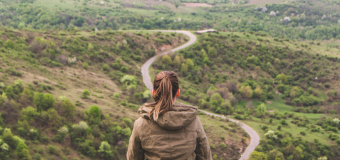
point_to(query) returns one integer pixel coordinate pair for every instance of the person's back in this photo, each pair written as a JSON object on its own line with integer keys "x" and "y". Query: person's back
{"x": 168, "y": 131}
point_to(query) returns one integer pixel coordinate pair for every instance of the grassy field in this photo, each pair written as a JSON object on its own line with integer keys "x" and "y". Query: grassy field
{"x": 322, "y": 136}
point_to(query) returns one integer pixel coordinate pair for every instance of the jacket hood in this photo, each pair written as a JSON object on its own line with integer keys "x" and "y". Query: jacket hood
{"x": 178, "y": 117}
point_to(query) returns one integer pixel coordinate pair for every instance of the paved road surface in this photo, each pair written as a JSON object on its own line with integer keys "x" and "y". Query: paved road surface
{"x": 255, "y": 139}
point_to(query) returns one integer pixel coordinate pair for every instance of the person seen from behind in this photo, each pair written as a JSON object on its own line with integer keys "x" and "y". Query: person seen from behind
{"x": 165, "y": 130}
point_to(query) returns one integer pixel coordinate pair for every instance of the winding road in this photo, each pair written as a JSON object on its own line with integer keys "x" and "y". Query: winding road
{"x": 255, "y": 139}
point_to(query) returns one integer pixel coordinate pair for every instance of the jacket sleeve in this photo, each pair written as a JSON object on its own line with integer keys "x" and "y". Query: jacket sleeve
{"x": 202, "y": 151}
{"x": 135, "y": 150}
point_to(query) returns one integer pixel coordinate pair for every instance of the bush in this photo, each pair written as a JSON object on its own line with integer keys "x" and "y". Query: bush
{"x": 327, "y": 85}
{"x": 85, "y": 65}
{"x": 302, "y": 133}
{"x": 283, "y": 122}
{"x": 95, "y": 114}
{"x": 44, "y": 139}
{"x": 37, "y": 156}
{"x": 124, "y": 69}
{"x": 106, "y": 67}
{"x": 223, "y": 145}
{"x": 239, "y": 117}
{"x": 279, "y": 127}
{"x": 85, "y": 94}
{"x": 52, "y": 150}
{"x": 69, "y": 108}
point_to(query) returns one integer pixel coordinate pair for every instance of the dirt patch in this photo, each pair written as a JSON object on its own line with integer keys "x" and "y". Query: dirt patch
{"x": 197, "y": 5}
{"x": 269, "y": 102}
{"x": 166, "y": 47}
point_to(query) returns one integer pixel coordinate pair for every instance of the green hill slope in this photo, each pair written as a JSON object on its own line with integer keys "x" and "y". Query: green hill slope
{"x": 74, "y": 95}
{"x": 243, "y": 75}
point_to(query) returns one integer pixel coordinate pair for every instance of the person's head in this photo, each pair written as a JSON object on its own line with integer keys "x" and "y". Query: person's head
{"x": 165, "y": 90}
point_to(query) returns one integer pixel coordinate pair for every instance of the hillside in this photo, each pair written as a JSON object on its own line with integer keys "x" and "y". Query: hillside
{"x": 74, "y": 95}
{"x": 281, "y": 88}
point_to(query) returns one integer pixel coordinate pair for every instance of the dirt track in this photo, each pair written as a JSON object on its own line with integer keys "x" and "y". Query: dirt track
{"x": 255, "y": 139}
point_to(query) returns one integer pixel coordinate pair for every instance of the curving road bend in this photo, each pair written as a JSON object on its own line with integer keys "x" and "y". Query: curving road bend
{"x": 255, "y": 139}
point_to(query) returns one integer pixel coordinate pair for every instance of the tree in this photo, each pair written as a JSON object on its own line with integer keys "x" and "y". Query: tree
{"x": 281, "y": 77}
{"x": 90, "y": 46}
{"x": 105, "y": 150}
{"x": 177, "y": 62}
{"x": 298, "y": 153}
{"x": 286, "y": 141}
{"x": 211, "y": 52}
{"x": 166, "y": 59}
{"x": 9, "y": 44}
{"x": 54, "y": 118}
{"x": 8, "y": 138}
{"x": 28, "y": 113}
{"x": 258, "y": 156}
{"x": 261, "y": 110}
{"x": 246, "y": 91}
{"x": 69, "y": 108}
{"x": 274, "y": 154}
{"x": 20, "y": 147}
{"x": 38, "y": 100}
{"x": 26, "y": 154}
{"x": 94, "y": 113}
{"x": 48, "y": 101}
{"x": 288, "y": 150}
{"x": 190, "y": 63}
{"x": 9, "y": 92}
{"x": 184, "y": 68}
{"x": 258, "y": 91}
{"x": 85, "y": 94}
{"x": 26, "y": 96}
{"x": 80, "y": 21}
{"x": 206, "y": 61}
{"x": 137, "y": 51}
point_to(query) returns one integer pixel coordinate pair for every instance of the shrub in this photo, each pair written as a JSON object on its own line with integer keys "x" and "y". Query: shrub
{"x": 51, "y": 150}
{"x": 69, "y": 108}
{"x": 283, "y": 122}
{"x": 106, "y": 67}
{"x": 166, "y": 59}
{"x": 85, "y": 94}
{"x": 48, "y": 101}
{"x": 223, "y": 145}
{"x": 264, "y": 127}
{"x": 302, "y": 133}
{"x": 95, "y": 114}
{"x": 9, "y": 44}
{"x": 20, "y": 149}
{"x": 327, "y": 85}
{"x": 124, "y": 69}
{"x": 85, "y": 65}
{"x": 37, "y": 156}
{"x": 237, "y": 116}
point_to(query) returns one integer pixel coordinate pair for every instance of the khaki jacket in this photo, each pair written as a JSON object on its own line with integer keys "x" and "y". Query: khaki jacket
{"x": 176, "y": 135}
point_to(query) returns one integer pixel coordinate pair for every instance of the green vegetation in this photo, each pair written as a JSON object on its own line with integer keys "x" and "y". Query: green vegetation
{"x": 66, "y": 63}
{"x": 262, "y": 83}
